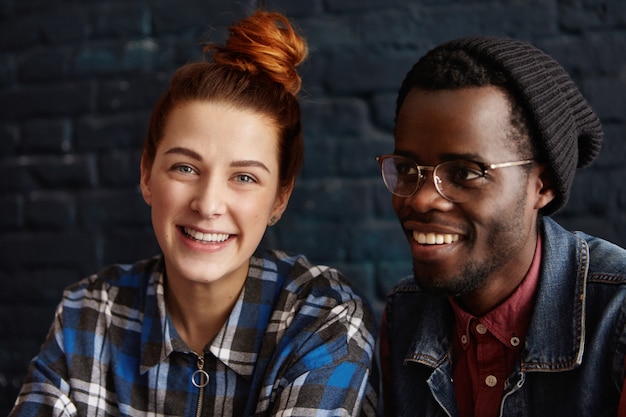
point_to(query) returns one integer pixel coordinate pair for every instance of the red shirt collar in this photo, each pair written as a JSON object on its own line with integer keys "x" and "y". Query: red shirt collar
{"x": 512, "y": 317}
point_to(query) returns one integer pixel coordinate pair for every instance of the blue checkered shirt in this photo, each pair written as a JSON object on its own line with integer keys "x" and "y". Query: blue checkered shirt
{"x": 298, "y": 342}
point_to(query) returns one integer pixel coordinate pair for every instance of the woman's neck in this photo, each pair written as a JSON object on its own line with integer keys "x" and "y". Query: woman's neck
{"x": 199, "y": 310}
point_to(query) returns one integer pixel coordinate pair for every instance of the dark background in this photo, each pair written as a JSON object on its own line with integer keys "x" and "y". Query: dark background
{"x": 78, "y": 80}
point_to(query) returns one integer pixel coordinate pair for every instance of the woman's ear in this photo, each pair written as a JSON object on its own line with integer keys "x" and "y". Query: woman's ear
{"x": 280, "y": 205}
{"x": 146, "y": 189}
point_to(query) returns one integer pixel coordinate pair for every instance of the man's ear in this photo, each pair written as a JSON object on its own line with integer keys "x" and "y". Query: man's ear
{"x": 544, "y": 188}
{"x": 146, "y": 188}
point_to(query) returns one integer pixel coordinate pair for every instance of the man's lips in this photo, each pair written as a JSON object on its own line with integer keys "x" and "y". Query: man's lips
{"x": 432, "y": 238}
{"x": 205, "y": 237}
{"x": 429, "y": 232}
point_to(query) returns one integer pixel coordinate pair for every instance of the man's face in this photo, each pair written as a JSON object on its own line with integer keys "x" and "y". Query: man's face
{"x": 486, "y": 243}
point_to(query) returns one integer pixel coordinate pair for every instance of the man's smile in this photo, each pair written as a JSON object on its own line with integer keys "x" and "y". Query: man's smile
{"x": 431, "y": 238}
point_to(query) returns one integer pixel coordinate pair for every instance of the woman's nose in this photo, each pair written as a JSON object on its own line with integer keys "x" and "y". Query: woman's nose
{"x": 209, "y": 198}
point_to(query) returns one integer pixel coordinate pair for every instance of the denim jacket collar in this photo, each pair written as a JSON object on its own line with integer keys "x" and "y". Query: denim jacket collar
{"x": 556, "y": 336}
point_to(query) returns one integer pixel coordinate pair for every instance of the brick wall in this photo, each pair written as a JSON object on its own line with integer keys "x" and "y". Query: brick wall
{"x": 78, "y": 79}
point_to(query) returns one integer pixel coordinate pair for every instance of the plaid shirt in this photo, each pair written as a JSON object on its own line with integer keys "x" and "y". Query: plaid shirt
{"x": 298, "y": 342}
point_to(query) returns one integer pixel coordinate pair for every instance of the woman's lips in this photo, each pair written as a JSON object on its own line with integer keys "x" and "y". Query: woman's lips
{"x": 205, "y": 237}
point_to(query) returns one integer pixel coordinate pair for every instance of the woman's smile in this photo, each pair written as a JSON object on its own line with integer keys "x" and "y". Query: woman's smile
{"x": 205, "y": 237}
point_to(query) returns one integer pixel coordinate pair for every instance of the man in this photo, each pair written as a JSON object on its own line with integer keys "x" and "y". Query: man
{"x": 507, "y": 313}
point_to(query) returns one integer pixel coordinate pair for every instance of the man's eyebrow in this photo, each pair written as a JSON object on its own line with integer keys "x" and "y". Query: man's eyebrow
{"x": 469, "y": 156}
{"x": 184, "y": 151}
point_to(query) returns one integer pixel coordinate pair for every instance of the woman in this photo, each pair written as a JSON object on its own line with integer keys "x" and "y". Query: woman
{"x": 215, "y": 325}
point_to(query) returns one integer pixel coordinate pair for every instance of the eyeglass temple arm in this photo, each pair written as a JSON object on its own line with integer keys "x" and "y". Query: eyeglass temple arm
{"x": 510, "y": 164}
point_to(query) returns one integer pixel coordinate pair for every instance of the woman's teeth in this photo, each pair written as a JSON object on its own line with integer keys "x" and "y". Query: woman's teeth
{"x": 206, "y": 237}
{"x": 434, "y": 238}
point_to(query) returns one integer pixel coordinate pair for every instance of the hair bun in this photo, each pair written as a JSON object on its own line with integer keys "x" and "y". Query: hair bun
{"x": 264, "y": 42}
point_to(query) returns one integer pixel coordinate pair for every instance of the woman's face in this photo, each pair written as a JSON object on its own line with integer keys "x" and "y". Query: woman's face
{"x": 213, "y": 188}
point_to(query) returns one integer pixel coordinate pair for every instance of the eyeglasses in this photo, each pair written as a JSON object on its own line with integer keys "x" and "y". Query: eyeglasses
{"x": 458, "y": 180}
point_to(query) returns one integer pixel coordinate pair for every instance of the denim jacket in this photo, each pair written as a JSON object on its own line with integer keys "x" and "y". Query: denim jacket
{"x": 573, "y": 360}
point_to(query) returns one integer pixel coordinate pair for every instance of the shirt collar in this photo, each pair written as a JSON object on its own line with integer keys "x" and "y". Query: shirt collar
{"x": 511, "y": 318}
{"x": 238, "y": 342}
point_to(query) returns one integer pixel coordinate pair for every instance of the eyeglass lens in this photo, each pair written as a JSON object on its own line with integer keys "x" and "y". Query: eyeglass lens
{"x": 454, "y": 180}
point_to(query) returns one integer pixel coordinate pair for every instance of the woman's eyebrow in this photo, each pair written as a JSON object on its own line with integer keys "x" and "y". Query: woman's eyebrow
{"x": 236, "y": 164}
{"x": 249, "y": 163}
{"x": 184, "y": 151}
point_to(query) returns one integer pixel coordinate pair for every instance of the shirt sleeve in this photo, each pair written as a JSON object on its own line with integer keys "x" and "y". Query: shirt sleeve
{"x": 327, "y": 366}
{"x": 45, "y": 391}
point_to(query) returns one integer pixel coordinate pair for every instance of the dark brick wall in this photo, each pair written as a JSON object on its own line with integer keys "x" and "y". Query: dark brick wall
{"x": 78, "y": 79}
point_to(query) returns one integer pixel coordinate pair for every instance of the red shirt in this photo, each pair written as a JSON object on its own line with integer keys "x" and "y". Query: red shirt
{"x": 486, "y": 349}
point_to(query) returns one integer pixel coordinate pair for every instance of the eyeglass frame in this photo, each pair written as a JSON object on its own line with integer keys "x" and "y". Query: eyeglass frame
{"x": 484, "y": 168}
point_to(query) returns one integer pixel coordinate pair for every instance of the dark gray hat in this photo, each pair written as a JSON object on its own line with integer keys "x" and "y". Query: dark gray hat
{"x": 568, "y": 132}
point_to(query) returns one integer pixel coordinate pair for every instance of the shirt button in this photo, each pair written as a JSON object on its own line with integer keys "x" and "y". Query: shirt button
{"x": 464, "y": 339}
{"x": 515, "y": 341}
{"x": 481, "y": 329}
{"x": 491, "y": 381}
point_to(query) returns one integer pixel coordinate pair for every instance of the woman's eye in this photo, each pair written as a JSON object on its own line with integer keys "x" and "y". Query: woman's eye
{"x": 245, "y": 178}
{"x": 184, "y": 169}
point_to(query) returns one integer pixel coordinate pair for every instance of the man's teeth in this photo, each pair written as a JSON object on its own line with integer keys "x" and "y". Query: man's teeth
{"x": 206, "y": 237}
{"x": 434, "y": 238}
